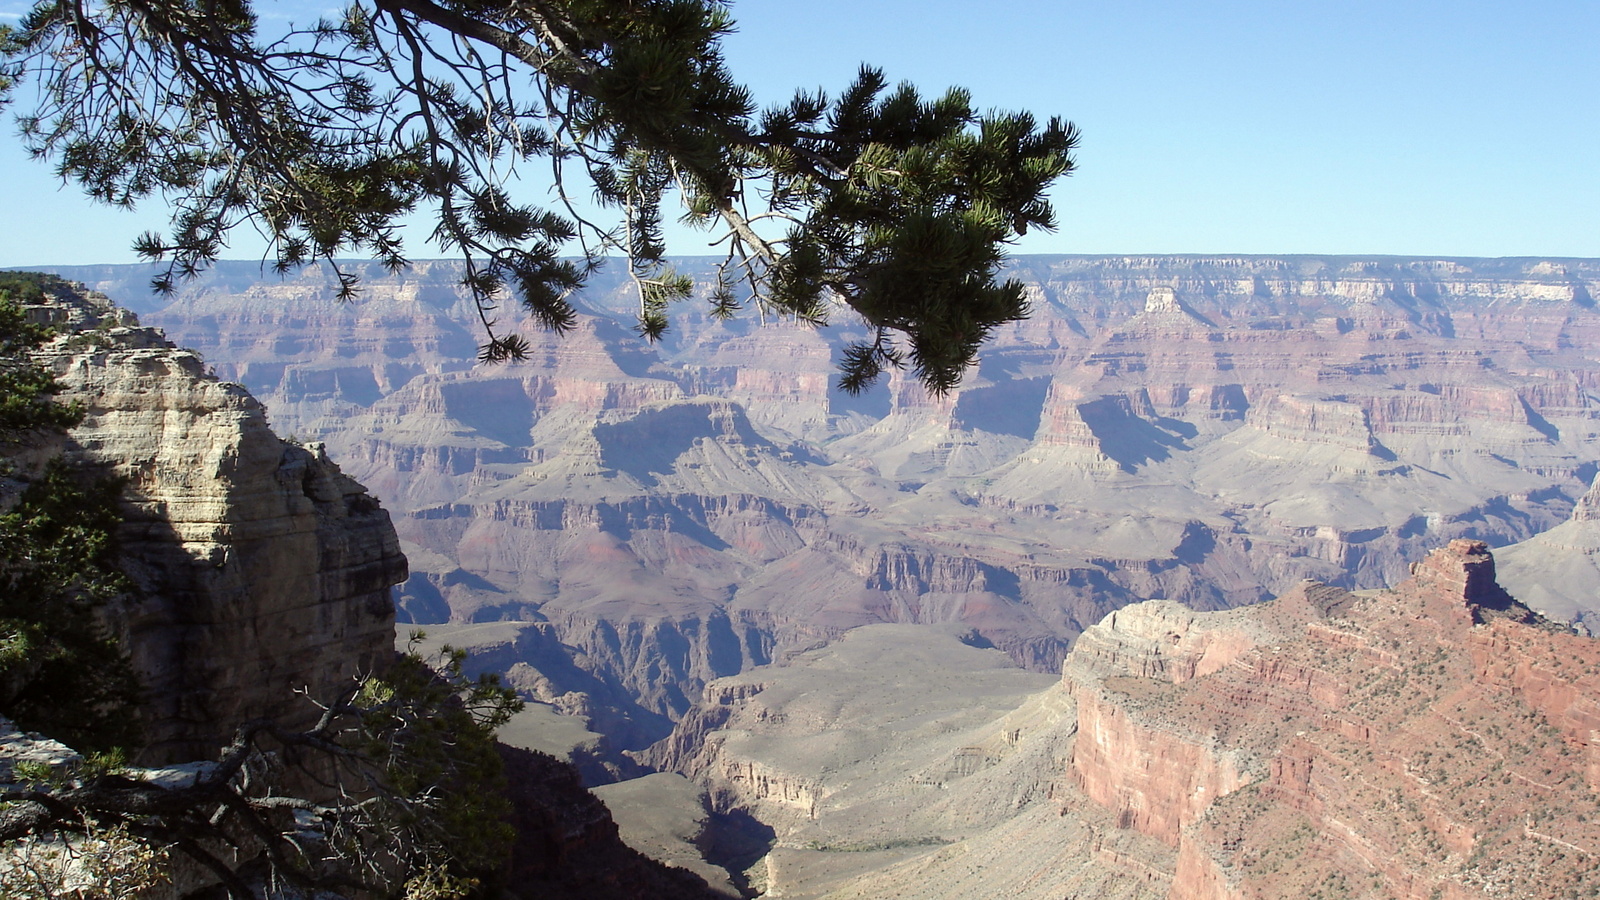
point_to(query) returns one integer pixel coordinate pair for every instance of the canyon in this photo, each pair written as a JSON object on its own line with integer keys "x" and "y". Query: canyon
{"x": 262, "y": 587}
{"x": 847, "y": 618}
{"x": 1434, "y": 740}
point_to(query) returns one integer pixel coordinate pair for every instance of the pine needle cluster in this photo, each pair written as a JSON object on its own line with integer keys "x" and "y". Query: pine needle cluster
{"x": 326, "y": 136}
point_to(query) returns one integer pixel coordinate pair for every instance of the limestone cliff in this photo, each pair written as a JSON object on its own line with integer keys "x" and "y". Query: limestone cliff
{"x": 263, "y": 570}
{"x": 904, "y": 762}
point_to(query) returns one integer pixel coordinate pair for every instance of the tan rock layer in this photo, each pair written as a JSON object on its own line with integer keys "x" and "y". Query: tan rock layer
{"x": 264, "y": 572}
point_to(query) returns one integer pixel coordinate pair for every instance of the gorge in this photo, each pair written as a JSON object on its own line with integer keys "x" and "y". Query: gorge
{"x": 632, "y": 532}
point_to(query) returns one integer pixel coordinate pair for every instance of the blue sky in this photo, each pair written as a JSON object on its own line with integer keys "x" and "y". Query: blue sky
{"x": 1429, "y": 128}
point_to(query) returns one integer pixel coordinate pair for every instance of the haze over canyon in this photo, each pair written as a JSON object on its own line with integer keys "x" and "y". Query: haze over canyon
{"x": 676, "y": 549}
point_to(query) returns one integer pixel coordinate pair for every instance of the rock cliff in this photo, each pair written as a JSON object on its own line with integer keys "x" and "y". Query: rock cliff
{"x": 1435, "y": 740}
{"x": 1205, "y": 430}
{"x": 263, "y": 570}
{"x": 264, "y": 578}
{"x": 1430, "y": 741}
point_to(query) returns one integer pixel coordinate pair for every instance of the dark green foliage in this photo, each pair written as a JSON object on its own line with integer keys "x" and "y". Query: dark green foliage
{"x": 25, "y": 287}
{"x": 61, "y": 673}
{"x": 911, "y": 229}
{"x": 25, "y": 389}
{"x": 427, "y": 737}
{"x": 894, "y": 205}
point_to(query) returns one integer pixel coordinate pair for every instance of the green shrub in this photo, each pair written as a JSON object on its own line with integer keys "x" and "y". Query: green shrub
{"x": 61, "y": 672}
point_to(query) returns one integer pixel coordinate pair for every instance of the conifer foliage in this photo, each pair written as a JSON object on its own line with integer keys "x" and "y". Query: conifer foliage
{"x": 61, "y": 671}
{"x": 326, "y": 135}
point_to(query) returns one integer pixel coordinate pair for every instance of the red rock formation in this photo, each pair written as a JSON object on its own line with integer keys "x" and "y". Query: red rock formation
{"x": 1433, "y": 741}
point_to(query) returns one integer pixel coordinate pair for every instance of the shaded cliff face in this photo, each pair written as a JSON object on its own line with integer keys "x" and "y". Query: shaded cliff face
{"x": 263, "y": 569}
{"x": 1201, "y": 429}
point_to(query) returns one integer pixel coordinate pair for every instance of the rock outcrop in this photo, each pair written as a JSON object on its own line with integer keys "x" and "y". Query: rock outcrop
{"x": 905, "y": 762}
{"x": 1431, "y": 741}
{"x": 265, "y": 577}
{"x": 263, "y": 570}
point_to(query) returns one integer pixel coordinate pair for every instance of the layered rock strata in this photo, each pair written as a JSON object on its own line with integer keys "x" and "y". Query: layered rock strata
{"x": 1209, "y": 430}
{"x": 1432, "y": 741}
{"x": 264, "y": 573}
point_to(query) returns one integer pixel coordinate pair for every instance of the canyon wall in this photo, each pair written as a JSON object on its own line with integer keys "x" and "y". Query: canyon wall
{"x": 1208, "y": 430}
{"x": 905, "y": 761}
{"x": 1430, "y": 741}
{"x": 263, "y": 571}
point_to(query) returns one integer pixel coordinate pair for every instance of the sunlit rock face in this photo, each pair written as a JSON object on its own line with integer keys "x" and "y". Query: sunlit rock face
{"x": 1389, "y": 740}
{"x": 1206, "y": 430}
{"x": 1431, "y": 740}
{"x": 265, "y": 572}
{"x": 1435, "y": 740}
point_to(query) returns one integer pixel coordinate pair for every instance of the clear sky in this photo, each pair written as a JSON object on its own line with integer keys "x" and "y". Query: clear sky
{"x": 1455, "y": 128}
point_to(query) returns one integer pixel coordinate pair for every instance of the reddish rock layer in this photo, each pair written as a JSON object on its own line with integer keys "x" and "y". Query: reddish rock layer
{"x": 1435, "y": 741}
